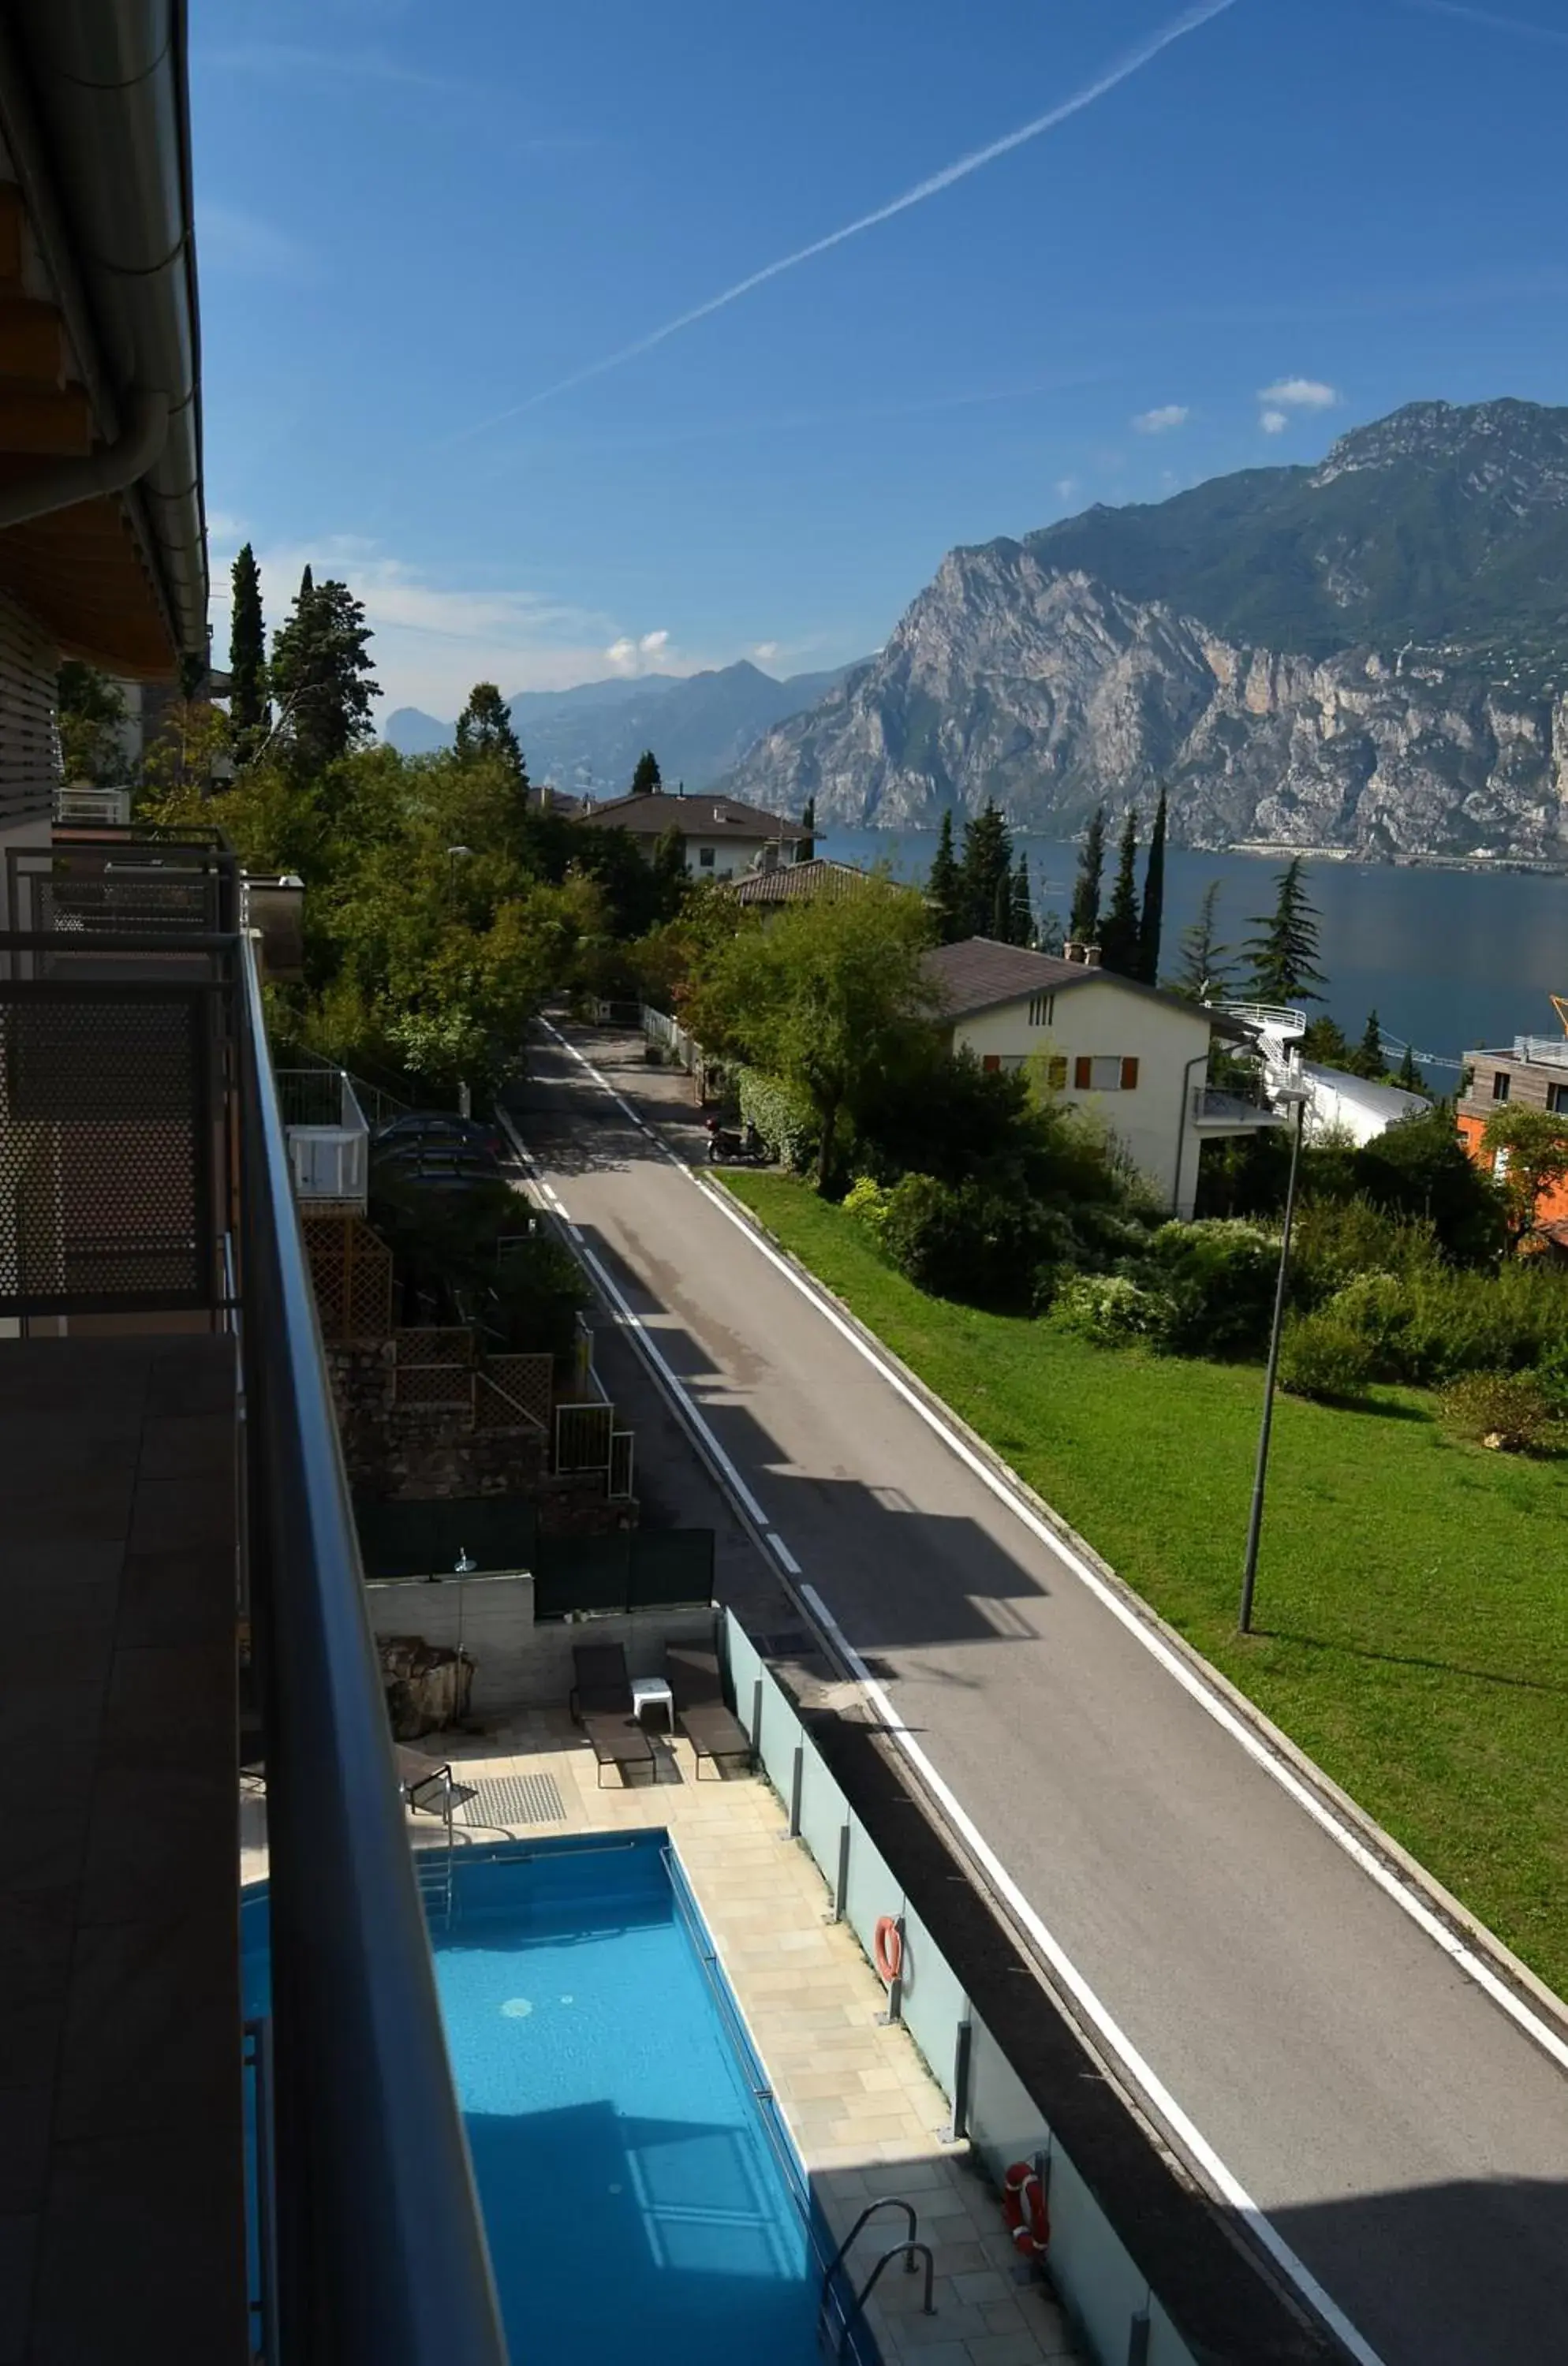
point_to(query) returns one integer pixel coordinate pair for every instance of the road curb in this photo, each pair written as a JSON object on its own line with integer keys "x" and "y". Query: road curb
{"x": 1508, "y": 1968}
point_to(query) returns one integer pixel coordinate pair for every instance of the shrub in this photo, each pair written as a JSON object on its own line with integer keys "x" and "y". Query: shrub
{"x": 962, "y": 1241}
{"x": 1321, "y": 1355}
{"x": 1552, "y": 1374}
{"x": 1509, "y": 1412}
{"x": 866, "y": 1202}
{"x": 1217, "y": 1280}
{"x": 1377, "y": 1307}
{"x": 782, "y": 1116}
{"x": 1109, "y": 1309}
{"x": 1334, "y": 1240}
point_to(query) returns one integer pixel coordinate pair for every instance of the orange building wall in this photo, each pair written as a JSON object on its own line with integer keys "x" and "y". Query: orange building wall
{"x": 1553, "y": 1205}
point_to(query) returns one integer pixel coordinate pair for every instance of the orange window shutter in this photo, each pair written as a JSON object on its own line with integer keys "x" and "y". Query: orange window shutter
{"x": 1129, "y": 1075}
{"x": 1083, "y": 1071}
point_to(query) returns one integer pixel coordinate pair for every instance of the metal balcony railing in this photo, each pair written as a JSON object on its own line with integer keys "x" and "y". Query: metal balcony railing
{"x": 1269, "y": 1017}
{"x": 83, "y": 802}
{"x": 145, "y": 1166}
{"x": 1213, "y": 1106}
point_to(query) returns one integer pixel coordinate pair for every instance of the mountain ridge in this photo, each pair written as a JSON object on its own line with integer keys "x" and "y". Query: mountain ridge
{"x": 1370, "y": 654}
{"x": 587, "y": 739}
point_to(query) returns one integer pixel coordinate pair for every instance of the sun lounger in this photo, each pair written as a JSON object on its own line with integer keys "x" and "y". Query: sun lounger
{"x": 712, "y": 1728}
{"x": 601, "y": 1704}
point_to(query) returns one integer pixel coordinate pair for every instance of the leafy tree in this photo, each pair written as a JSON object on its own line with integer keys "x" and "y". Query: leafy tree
{"x": 1204, "y": 972}
{"x": 484, "y": 728}
{"x": 90, "y": 709}
{"x": 831, "y": 998}
{"x": 321, "y": 674}
{"x": 249, "y": 711}
{"x": 1368, "y": 1059}
{"x": 1083, "y": 926}
{"x": 189, "y": 752}
{"x": 986, "y": 873}
{"x": 1021, "y": 931}
{"x": 646, "y": 777}
{"x": 1118, "y": 930}
{"x": 1151, "y": 921}
{"x": 1529, "y": 1151}
{"x": 1284, "y": 952}
{"x": 944, "y": 886}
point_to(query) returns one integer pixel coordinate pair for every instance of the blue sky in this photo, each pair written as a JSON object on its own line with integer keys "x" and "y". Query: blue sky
{"x": 423, "y": 228}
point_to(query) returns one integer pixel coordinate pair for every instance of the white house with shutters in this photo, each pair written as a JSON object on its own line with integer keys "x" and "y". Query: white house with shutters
{"x": 1136, "y": 1057}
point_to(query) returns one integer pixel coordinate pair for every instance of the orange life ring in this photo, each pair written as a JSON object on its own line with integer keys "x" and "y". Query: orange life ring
{"x": 889, "y": 1949}
{"x": 1023, "y": 2208}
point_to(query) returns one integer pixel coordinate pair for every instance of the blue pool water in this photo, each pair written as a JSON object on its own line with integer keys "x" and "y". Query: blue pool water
{"x": 636, "y": 2204}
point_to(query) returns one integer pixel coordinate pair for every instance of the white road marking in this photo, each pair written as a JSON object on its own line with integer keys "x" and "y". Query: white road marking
{"x": 1213, "y": 1704}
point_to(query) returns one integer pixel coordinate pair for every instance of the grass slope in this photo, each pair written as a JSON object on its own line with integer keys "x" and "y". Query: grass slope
{"x": 1412, "y": 1594}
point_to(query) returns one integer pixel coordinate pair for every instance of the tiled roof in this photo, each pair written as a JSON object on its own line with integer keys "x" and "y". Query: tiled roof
{"x": 796, "y": 882}
{"x": 696, "y": 817}
{"x": 979, "y": 974}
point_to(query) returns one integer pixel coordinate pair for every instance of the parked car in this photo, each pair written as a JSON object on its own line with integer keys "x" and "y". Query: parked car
{"x": 440, "y": 1126}
{"x": 436, "y": 1161}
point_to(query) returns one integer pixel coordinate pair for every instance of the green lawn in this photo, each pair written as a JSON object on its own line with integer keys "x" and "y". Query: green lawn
{"x": 1412, "y": 1594}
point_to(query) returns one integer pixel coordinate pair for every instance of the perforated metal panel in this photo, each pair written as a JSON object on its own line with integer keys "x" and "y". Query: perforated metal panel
{"x": 107, "y": 1145}
{"x": 30, "y": 747}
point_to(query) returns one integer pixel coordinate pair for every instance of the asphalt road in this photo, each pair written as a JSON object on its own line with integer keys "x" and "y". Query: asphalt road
{"x": 1407, "y": 2139}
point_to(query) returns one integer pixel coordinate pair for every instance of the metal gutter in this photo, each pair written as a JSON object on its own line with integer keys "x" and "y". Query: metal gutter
{"x": 94, "y": 103}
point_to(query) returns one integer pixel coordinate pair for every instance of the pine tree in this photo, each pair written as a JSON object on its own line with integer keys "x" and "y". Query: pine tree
{"x": 986, "y": 870}
{"x": 1152, "y": 918}
{"x": 1119, "y": 931}
{"x": 647, "y": 776}
{"x": 1083, "y": 927}
{"x": 322, "y": 673}
{"x": 1409, "y": 1074}
{"x": 944, "y": 885}
{"x": 484, "y": 728}
{"x": 1284, "y": 953}
{"x": 1204, "y": 973}
{"x": 1371, "y": 1060}
{"x": 249, "y": 713}
{"x": 1022, "y": 930}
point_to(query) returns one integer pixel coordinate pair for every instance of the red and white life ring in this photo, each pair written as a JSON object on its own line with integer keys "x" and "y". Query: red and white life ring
{"x": 889, "y": 1950}
{"x": 1023, "y": 2208}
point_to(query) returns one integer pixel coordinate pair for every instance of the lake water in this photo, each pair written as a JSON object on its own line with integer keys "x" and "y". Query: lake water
{"x": 1450, "y": 960}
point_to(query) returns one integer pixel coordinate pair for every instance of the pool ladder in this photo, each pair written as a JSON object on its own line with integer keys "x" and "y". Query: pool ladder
{"x": 906, "y": 2250}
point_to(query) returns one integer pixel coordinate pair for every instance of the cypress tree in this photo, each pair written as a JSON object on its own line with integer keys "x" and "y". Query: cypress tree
{"x": 944, "y": 886}
{"x": 1119, "y": 935}
{"x": 647, "y": 777}
{"x": 1152, "y": 918}
{"x": 248, "y": 708}
{"x": 484, "y": 728}
{"x": 322, "y": 673}
{"x": 1083, "y": 926}
{"x": 808, "y": 830}
{"x": 1284, "y": 952}
{"x": 1409, "y": 1074}
{"x": 1001, "y": 910}
{"x": 1023, "y": 929}
{"x": 987, "y": 870}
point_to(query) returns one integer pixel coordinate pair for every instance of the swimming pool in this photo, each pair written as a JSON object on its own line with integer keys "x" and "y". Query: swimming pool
{"x": 640, "y": 2195}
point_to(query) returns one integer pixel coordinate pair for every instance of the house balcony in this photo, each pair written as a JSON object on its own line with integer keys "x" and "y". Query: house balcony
{"x": 81, "y": 805}
{"x": 1215, "y": 1113}
{"x": 329, "y": 1140}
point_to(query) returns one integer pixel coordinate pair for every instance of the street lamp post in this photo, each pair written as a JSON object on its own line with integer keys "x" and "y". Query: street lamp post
{"x": 1296, "y": 1095}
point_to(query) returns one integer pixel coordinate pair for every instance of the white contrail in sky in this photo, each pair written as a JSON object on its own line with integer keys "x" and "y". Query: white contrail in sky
{"x": 1490, "y": 20}
{"x": 1132, "y": 62}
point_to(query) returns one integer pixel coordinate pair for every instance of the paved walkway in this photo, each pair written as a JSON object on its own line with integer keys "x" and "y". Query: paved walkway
{"x": 864, "y": 2114}
{"x": 1408, "y": 2141}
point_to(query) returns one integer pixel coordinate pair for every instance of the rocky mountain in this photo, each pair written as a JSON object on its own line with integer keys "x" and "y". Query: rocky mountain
{"x": 587, "y": 739}
{"x": 1370, "y": 655}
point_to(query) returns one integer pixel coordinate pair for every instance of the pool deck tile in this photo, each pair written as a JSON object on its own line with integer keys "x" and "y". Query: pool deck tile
{"x": 864, "y": 2110}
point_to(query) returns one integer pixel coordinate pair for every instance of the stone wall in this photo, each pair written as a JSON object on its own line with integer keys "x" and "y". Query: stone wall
{"x": 420, "y": 1454}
